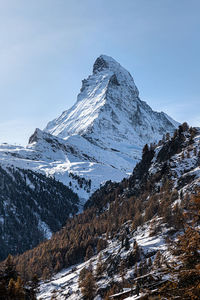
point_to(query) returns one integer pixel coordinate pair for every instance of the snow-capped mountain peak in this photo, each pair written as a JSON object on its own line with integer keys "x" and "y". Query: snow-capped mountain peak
{"x": 94, "y": 97}
{"x": 119, "y": 75}
{"x": 109, "y": 111}
{"x": 105, "y": 62}
{"x": 99, "y": 138}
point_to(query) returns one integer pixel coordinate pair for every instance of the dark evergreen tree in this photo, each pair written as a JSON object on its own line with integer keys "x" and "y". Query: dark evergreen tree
{"x": 88, "y": 286}
{"x": 89, "y": 252}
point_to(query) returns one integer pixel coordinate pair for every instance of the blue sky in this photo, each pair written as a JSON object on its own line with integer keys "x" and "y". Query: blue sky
{"x": 48, "y": 46}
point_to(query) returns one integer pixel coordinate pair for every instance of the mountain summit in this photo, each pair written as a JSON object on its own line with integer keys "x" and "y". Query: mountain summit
{"x": 109, "y": 112}
{"x": 96, "y": 102}
{"x": 100, "y": 138}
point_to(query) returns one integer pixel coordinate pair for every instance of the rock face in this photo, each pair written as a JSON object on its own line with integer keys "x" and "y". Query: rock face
{"x": 100, "y": 138}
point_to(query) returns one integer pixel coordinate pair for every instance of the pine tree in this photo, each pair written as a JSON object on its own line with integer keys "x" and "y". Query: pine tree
{"x": 122, "y": 270}
{"x": 167, "y": 136}
{"x": 144, "y": 267}
{"x": 89, "y": 252}
{"x": 185, "y": 127}
{"x": 82, "y": 275}
{"x": 46, "y": 273}
{"x": 34, "y": 287}
{"x": 101, "y": 244}
{"x": 19, "y": 289}
{"x": 158, "y": 260}
{"x": 10, "y": 269}
{"x": 140, "y": 269}
{"x": 145, "y": 149}
{"x": 11, "y": 289}
{"x": 136, "y": 271}
{"x": 149, "y": 263}
{"x": 127, "y": 244}
{"x": 88, "y": 286}
{"x": 99, "y": 268}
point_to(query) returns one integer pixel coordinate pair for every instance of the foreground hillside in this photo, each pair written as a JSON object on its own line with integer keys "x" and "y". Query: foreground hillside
{"x": 124, "y": 234}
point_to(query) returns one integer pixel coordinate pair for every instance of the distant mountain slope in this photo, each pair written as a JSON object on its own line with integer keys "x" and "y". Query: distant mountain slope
{"x": 100, "y": 138}
{"x": 32, "y": 207}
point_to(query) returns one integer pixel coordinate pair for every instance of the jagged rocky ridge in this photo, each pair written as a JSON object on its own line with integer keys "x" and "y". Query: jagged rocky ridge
{"x": 148, "y": 208}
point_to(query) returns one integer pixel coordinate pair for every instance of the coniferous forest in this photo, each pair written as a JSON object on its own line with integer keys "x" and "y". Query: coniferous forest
{"x": 34, "y": 205}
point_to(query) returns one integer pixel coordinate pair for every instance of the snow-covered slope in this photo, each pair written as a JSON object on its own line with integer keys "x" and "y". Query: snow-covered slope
{"x": 76, "y": 162}
{"x": 100, "y": 138}
{"x": 65, "y": 284}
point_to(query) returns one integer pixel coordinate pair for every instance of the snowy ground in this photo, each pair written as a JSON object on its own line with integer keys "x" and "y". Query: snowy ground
{"x": 65, "y": 283}
{"x": 76, "y": 155}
